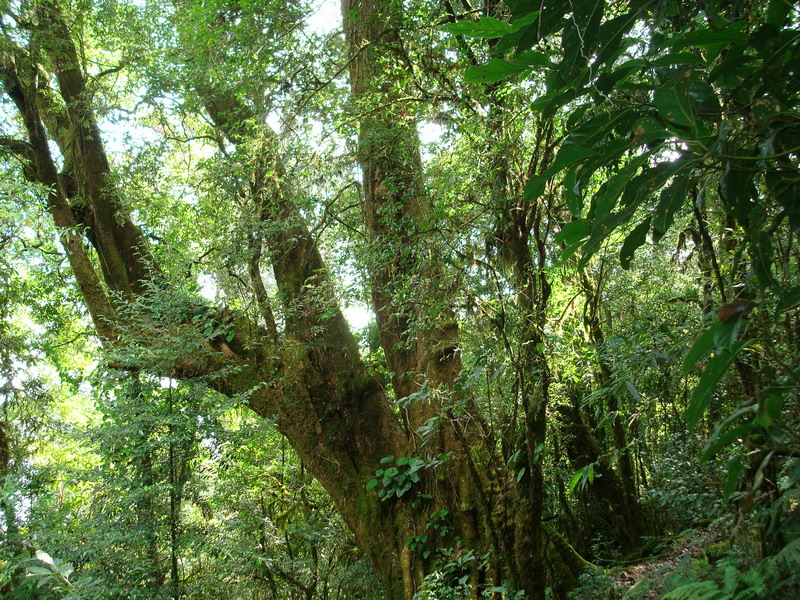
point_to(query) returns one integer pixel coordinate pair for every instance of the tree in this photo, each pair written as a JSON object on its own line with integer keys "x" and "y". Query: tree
{"x": 432, "y": 483}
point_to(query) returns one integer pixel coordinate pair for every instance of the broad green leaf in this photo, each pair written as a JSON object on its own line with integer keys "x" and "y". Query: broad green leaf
{"x": 533, "y": 59}
{"x": 778, "y": 11}
{"x": 489, "y": 27}
{"x": 649, "y": 129}
{"x": 761, "y": 253}
{"x": 609, "y": 193}
{"x": 708, "y": 37}
{"x": 33, "y": 570}
{"x": 715, "y": 370}
{"x": 703, "y": 345}
{"x": 712, "y": 447}
{"x": 387, "y": 459}
{"x": 735, "y": 470}
{"x": 737, "y": 191}
{"x": 493, "y": 71}
{"x": 574, "y": 481}
{"x": 727, "y": 334}
{"x": 787, "y": 300}
{"x": 674, "y": 103}
{"x": 725, "y": 439}
{"x": 568, "y": 155}
{"x": 671, "y": 200}
{"x": 485, "y": 27}
{"x": 609, "y": 38}
{"x": 635, "y": 239}
{"x": 678, "y": 58}
{"x": 573, "y": 232}
{"x": 793, "y": 477}
{"x": 372, "y": 483}
{"x": 769, "y": 410}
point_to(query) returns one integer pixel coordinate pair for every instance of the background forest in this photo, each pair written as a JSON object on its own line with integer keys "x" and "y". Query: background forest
{"x": 421, "y": 299}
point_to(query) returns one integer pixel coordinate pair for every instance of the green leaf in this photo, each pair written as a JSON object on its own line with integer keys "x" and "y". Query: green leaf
{"x": 732, "y": 34}
{"x": 533, "y": 59}
{"x": 495, "y": 70}
{"x": 485, "y": 27}
{"x": 787, "y": 300}
{"x": 737, "y": 191}
{"x": 635, "y": 239}
{"x": 489, "y": 27}
{"x": 609, "y": 38}
{"x": 778, "y": 11}
{"x": 39, "y": 571}
{"x": 792, "y": 479}
{"x": 568, "y": 155}
{"x": 649, "y": 129}
{"x": 715, "y": 370}
{"x": 769, "y": 411}
{"x": 371, "y": 484}
{"x": 387, "y": 459}
{"x": 727, "y": 334}
{"x": 679, "y": 101}
{"x": 678, "y": 58}
{"x": 703, "y": 345}
{"x": 735, "y": 470}
{"x": 761, "y": 253}
{"x": 609, "y": 193}
{"x": 718, "y": 442}
{"x": 574, "y": 481}
{"x": 670, "y": 201}
{"x": 573, "y": 232}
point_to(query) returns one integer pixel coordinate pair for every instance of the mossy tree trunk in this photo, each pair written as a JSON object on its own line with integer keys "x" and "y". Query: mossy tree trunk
{"x": 308, "y": 375}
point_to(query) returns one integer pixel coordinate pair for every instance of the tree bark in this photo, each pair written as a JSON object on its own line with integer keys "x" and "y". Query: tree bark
{"x": 308, "y": 376}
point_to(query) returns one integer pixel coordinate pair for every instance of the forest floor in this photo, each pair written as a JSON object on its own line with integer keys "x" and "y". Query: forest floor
{"x": 689, "y": 545}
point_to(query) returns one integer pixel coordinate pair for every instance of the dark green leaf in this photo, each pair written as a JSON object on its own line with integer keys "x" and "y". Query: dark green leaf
{"x": 727, "y": 334}
{"x": 573, "y": 232}
{"x": 769, "y": 410}
{"x": 735, "y": 470}
{"x": 671, "y": 200}
{"x": 712, "y": 445}
{"x": 792, "y": 479}
{"x": 708, "y": 37}
{"x": 649, "y": 129}
{"x": 568, "y": 155}
{"x": 725, "y": 439}
{"x": 778, "y": 11}
{"x": 489, "y": 27}
{"x": 761, "y": 253}
{"x": 703, "y": 345}
{"x": 788, "y": 300}
{"x": 493, "y": 71}
{"x": 609, "y": 193}
{"x": 485, "y": 27}
{"x": 715, "y": 370}
{"x": 678, "y": 58}
{"x": 609, "y": 38}
{"x": 635, "y": 239}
